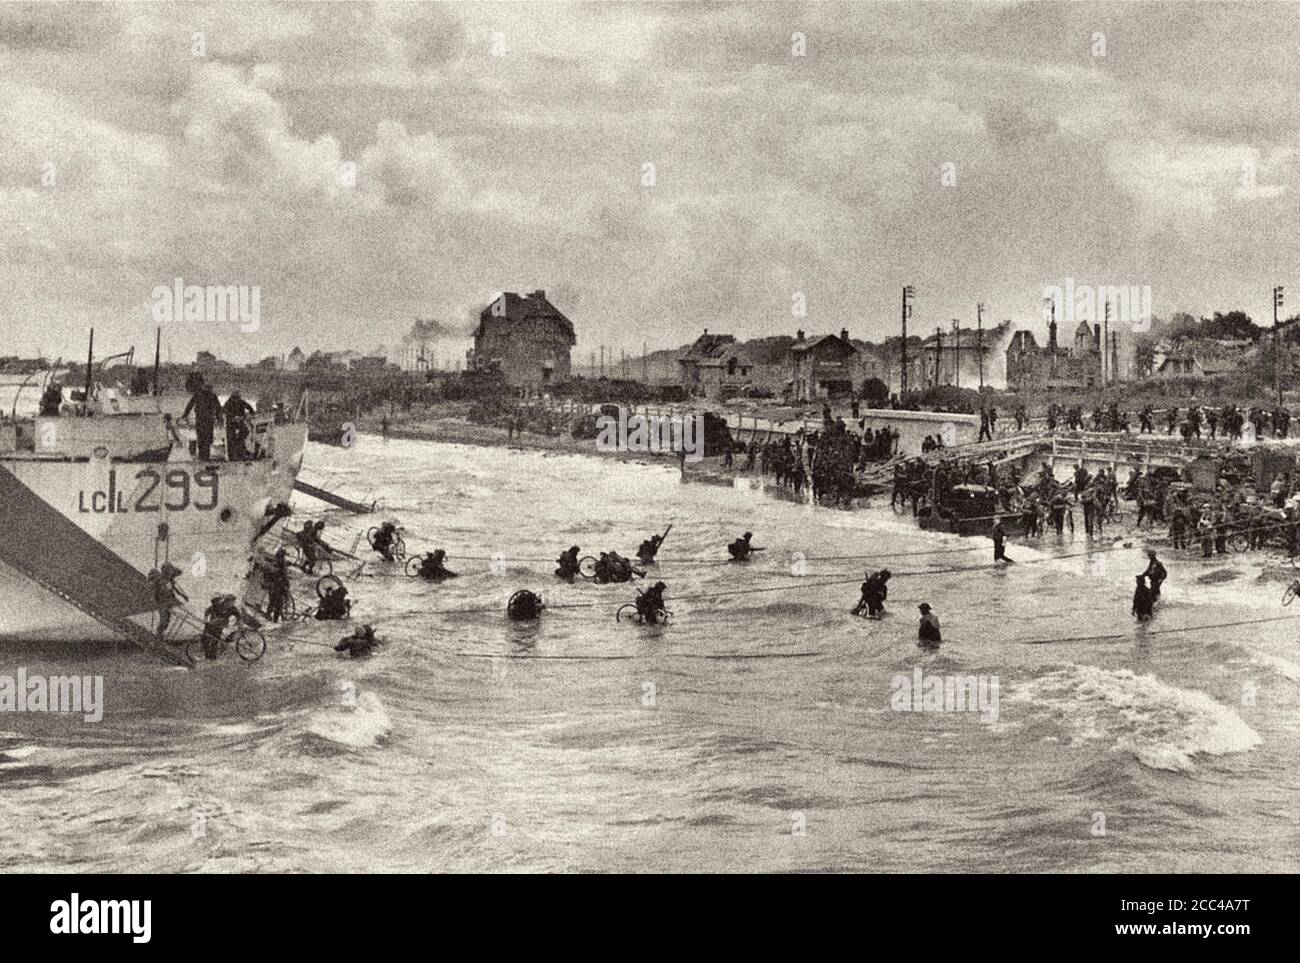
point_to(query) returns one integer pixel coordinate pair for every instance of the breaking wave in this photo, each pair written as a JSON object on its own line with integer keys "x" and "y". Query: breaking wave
{"x": 1162, "y": 726}
{"x": 357, "y": 726}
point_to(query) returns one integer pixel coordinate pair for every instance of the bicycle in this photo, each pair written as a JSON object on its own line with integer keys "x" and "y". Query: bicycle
{"x": 662, "y": 615}
{"x": 326, "y": 582}
{"x": 297, "y": 559}
{"x": 247, "y": 639}
{"x": 397, "y": 547}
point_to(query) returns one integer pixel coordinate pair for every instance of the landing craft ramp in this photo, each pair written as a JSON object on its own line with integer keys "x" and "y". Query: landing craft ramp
{"x": 325, "y": 495}
{"x": 39, "y": 542}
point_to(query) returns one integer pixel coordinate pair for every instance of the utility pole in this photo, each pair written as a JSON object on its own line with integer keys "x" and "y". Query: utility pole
{"x": 938, "y": 353}
{"x": 1051, "y": 335}
{"x": 956, "y": 343}
{"x": 1277, "y": 345}
{"x": 644, "y": 375}
{"x": 908, "y": 295}
{"x": 979, "y": 339}
{"x": 1105, "y": 343}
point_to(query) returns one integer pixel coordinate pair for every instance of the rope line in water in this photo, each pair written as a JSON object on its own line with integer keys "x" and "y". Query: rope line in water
{"x": 1169, "y": 631}
{"x": 714, "y": 560}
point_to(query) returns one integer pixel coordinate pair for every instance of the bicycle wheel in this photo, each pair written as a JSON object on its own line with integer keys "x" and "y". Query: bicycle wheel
{"x": 1238, "y": 542}
{"x": 250, "y": 644}
{"x": 413, "y": 566}
{"x": 327, "y": 581}
{"x": 1289, "y": 595}
{"x": 370, "y": 536}
{"x": 399, "y": 549}
{"x": 583, "y": 567}
{"x": 627, "y": 607}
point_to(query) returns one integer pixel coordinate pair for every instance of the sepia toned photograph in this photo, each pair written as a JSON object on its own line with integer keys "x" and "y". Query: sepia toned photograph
{"x": 659, "y": 438}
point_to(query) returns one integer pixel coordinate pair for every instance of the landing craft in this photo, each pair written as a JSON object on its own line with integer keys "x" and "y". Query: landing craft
{"x": 94, "y": 498}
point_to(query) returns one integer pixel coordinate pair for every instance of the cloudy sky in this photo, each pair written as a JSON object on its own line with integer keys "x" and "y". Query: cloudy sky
{"x": 365, "y": 164}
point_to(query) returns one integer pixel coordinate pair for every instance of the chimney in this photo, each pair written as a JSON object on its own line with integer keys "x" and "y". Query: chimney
{"x": 798, "y": 335}
{"x": 539, "y": 294}
{"x": 844, "y": 334}
{"x": 706, "y": 331}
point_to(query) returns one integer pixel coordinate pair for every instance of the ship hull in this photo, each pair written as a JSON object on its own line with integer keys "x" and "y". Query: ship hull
{"x": 202, "y": 517}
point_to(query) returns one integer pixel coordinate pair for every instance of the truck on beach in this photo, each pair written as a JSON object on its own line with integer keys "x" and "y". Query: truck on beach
{"x": 969, "y": 510}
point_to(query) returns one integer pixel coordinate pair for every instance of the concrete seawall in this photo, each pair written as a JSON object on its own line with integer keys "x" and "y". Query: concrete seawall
{"x": 912, "y": 426}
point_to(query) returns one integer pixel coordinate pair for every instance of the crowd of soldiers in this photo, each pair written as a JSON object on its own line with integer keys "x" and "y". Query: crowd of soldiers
{"x": 1197, "y": 421}
{"x": 1044, "y": 504}
{"x": 826, "y": 461}
{"x": 1232, "y": 516}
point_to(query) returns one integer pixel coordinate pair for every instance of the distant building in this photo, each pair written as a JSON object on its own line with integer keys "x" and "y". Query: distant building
{"x": 370, "y": 364}
{"x": 957, "y": 357}
{"x": 295, "y": 360}
{"x": 1174, "y": 365}
{"x": 870, "y": 363}
{"x": 714, "y": 366}
{"x": 1031, "y": 366}
{"x": 823, "y": 367}
{"x": 525, "y": 338}
{"x": 1200, "y": 362}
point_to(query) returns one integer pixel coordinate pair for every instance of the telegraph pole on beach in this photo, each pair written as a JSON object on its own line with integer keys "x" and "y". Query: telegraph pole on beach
{"x": 956, "y": 344}
{"x": 1277, "y": 345}
{"x": 1105, "y": 343}
{"x": 1051, "y": 333}
{"x": 938, "y": 353}
{"x": 908, "y": 294}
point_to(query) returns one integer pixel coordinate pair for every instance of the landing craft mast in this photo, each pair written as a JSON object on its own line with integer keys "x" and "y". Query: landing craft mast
{"x": 90, "y": 363}
{"x": 157, "y": 360}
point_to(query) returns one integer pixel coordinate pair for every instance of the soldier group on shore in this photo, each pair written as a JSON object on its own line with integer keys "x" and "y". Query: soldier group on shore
{"x": 827, "y": 459}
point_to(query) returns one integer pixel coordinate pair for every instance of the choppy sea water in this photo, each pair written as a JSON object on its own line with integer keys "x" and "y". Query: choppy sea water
{"x": 585, "y": 744}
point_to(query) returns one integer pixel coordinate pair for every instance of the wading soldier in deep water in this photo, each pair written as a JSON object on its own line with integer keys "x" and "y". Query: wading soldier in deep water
{"x": 927, "y": 632}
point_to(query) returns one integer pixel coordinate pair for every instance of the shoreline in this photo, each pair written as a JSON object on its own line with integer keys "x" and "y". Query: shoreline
{"x": 459, "y": 431}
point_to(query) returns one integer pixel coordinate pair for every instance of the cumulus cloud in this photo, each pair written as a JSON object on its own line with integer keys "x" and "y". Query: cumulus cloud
{"x": 371, "y": 163}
